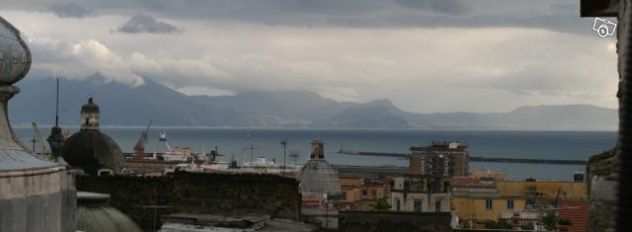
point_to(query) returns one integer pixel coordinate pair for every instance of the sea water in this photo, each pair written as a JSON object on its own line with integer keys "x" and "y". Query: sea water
{"x": 236, "y": 144}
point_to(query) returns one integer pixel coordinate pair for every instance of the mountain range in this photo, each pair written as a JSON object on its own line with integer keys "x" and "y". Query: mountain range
{"x": 123, "y": 105}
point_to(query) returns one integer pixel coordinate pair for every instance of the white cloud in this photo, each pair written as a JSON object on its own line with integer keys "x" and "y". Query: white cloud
{"x": 82, "y": 59}
{"x": 205, "y": 91}
{"x": 420, "y": 69}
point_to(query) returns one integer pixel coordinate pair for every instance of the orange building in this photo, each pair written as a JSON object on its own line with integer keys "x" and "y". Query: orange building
{"x": 362, "y": 193}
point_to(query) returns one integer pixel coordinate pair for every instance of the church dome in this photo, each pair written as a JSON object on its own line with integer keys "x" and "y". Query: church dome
{"x": 94, "y": 214}
{"x": 91, "y": 151}
{"x": 318, "y": 176}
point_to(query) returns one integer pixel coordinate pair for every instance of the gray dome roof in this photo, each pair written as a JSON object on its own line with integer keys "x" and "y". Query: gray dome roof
{"x": 318, "y": 176}
{"x": 92, "y": 150}
{"x": 11, "y": 160}
{"x": 95, "y": 215}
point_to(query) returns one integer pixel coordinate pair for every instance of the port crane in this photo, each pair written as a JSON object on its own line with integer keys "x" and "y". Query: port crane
{"x": 139, "y": 148}
{"x": 38, "y": 140}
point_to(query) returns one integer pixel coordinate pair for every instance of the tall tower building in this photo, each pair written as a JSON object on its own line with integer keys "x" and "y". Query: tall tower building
{"x": 441, "y": 159}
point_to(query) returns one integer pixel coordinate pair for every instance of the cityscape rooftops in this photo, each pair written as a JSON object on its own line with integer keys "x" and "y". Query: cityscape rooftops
{"x": 209, "y": 222}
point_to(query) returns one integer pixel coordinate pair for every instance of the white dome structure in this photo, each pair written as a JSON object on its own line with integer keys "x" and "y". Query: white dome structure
{"x": 318, "y": 176}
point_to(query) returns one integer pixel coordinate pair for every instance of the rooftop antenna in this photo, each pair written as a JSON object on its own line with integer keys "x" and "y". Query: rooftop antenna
{"x": 56, "y": 138}
{"x": 57, "y": 102}
{"x": 252, "y": 153}
{"x": 284, "y": 144}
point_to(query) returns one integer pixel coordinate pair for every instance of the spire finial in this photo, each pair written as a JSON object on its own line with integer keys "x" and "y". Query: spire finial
{"x": 57, "y": 105}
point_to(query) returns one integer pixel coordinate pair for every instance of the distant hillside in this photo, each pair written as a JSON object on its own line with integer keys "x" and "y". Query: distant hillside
{"x": 549, "y": 117}
{"x": 375, "y": 114}
{"x": 123, "y": 105}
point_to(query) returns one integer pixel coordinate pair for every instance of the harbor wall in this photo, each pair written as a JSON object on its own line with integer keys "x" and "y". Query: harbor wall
{"x": 147, "y": 199}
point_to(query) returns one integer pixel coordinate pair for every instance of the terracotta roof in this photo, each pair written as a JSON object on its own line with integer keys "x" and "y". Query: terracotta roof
{"x": 577, "y": 213}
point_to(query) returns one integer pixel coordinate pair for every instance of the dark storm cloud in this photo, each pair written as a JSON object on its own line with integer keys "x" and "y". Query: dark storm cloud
{"x": 556, "y": 15}
{"x": 445, "y": 6}
{"x": 70, "y": 10}
{"x": 146, "y": 24}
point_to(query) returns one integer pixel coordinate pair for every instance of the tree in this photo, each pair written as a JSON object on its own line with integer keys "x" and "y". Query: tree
{"x": 381, "y": 205}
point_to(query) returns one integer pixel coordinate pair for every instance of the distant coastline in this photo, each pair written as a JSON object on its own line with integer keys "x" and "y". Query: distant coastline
{"x": 73, "y": 126}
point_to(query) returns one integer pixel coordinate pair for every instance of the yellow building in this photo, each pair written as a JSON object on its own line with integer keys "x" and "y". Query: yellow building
{"x": 484, "y": 199}
{"x": 480, "y": 199}
{"x": 546, "y": 190}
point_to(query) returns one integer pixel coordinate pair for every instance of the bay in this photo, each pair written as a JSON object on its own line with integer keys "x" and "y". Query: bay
{"x": 236, "y": 143}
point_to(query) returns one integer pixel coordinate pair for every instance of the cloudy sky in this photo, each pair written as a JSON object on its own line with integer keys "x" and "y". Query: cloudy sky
{"x": 424, "y": 55}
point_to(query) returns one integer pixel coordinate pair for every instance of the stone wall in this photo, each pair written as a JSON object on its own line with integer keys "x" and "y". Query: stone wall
{"x": 602, "y": 179}
{"x": 149, "y": 167}
{"x": 352, "y": 221}
{"x": 39, "y": 200}
{"x": 146, "y": 199}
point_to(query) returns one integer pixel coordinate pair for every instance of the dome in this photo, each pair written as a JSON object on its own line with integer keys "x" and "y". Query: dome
{"x": 15, "y": 57}
{"x": 94, "y": 214}
{"x": 318, "y": 176}
{"x": 92, "y": 150}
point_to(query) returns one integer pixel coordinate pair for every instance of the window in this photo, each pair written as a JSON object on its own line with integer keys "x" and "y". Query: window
{"x": 530, "y": 203}
{"x": 418, "y": 205}
{"x": 364, "y": 192}
{"x": 510, "y": 204}
{"x": 438, "y": 206}
{"x": 489, "y": 204}
{"x": 397, "y": 205}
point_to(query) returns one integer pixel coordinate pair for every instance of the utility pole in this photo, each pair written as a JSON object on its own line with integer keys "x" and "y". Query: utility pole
{"x": 252, "y": 153}
{"x": 56, "y": 137}
{"x": 284, "y": 143}
{"x": 33, "y": 142}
